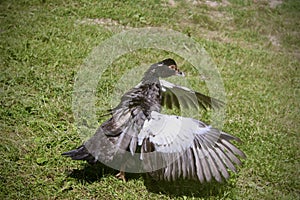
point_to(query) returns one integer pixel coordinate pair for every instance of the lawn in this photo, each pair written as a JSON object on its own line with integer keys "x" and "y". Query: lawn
{"x": 255, "y": 46}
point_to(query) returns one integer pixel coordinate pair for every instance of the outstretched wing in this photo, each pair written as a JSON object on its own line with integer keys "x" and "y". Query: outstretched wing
{"x": 188, "y": 148}
{"x": 174, "y": 95}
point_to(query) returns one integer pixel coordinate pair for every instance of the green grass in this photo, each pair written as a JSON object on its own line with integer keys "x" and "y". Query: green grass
{"x": 44, "y": 43}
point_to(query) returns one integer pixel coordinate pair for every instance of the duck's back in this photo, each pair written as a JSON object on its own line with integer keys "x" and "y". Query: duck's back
{"x": 129, "y": 116}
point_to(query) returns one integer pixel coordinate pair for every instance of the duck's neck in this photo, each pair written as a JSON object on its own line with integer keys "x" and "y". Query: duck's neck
{"x": 150, "y": 77}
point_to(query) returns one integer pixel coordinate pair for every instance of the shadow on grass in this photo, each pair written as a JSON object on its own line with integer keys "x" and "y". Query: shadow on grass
{"x": 92, "y": 172}
{"x": 190, "y": 188}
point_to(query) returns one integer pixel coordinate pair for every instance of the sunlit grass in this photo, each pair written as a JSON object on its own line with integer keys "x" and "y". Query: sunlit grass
{"x": 43, "y": 44}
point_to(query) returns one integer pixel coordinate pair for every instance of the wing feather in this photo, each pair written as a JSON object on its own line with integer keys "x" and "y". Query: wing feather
{"x": 183, "y": 166}
{"x": 190, "y": 148}
{"x": 191, "y": 163}
{"x": 198, "y": 164}
{"x": 205, "y": 164}
{"x": 219, "y": 163}
{"x": 213, "y": 166}
{"x": 181, "y": 96}
{"x": 226, "y": 160}
{"x": 233, "y": 148}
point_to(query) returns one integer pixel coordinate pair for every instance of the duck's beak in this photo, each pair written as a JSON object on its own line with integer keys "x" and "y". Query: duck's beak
{"x": 179, "y": 73}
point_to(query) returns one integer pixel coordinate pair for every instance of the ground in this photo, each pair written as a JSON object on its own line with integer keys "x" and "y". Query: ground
{"x": 254, "y": 44}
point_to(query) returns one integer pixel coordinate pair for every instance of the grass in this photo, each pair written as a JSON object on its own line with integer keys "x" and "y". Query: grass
{"x": 43, "y": 44}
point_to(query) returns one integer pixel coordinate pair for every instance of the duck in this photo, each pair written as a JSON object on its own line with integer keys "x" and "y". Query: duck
{"x": 138, "y": 137}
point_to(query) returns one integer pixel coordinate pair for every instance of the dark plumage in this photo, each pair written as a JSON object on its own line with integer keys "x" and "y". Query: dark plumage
{"x": 186, "y": 148}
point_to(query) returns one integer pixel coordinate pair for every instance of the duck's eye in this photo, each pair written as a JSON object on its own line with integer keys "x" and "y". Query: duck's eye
{"x": 173, "y": 67}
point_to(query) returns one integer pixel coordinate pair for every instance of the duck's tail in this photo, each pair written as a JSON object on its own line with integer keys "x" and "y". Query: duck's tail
{"x": 81, "y": 153}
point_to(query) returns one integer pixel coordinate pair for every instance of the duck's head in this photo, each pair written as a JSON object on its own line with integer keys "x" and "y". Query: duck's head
{"x": 165, "y": 68}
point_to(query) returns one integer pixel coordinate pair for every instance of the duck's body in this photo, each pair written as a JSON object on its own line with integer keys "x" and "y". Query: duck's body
{"x": 134, "y": 124}
{"x": 120, "y": 132}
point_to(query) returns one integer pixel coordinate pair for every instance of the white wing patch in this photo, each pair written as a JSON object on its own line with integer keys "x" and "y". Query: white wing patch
{"x": 171, "y": 133}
